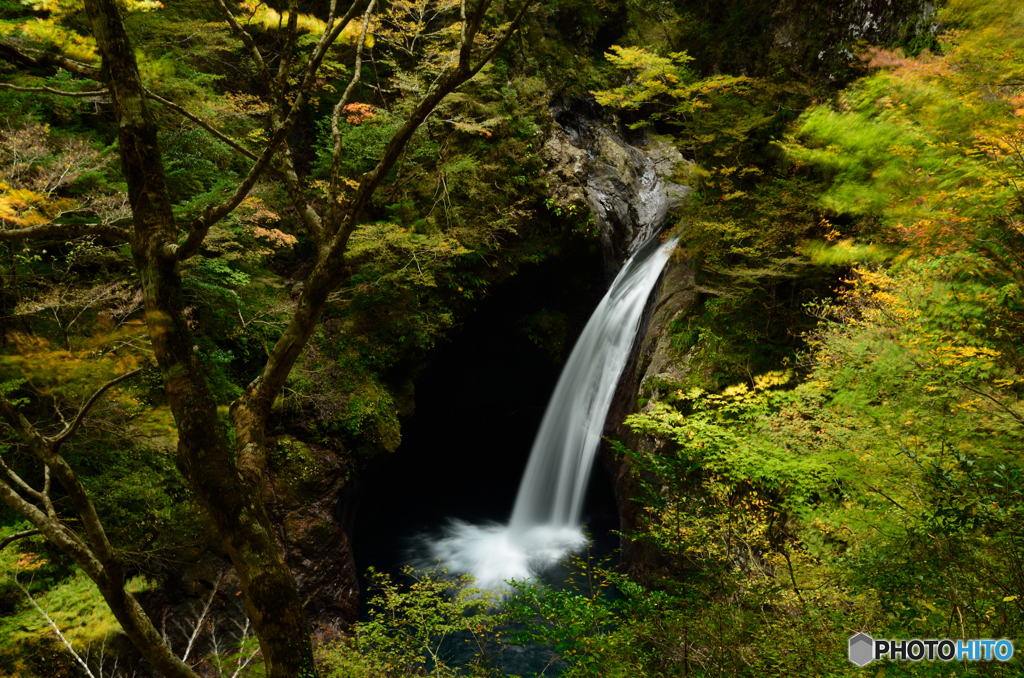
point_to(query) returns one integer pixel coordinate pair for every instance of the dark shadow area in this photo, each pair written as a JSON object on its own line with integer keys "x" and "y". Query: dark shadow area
{"x": 478, "y": 406}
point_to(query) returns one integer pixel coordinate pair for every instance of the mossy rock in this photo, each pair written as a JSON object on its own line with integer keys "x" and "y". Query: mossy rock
{"x": 299, "y": 472}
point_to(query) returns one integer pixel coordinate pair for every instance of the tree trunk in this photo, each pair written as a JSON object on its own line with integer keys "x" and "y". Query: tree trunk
{"x": 233, "y": 499}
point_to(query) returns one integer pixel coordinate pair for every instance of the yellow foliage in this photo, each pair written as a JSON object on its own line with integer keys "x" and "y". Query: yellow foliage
{"x": 270, "y": 19}
{"x": 68, "y": 373}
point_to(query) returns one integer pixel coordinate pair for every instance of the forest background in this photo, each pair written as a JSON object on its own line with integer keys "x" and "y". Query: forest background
{"x": 842, "y": 454}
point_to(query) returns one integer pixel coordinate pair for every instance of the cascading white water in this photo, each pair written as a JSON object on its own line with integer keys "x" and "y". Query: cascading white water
{"x": 545, "y": 523}
{"x": 553, "y": 486}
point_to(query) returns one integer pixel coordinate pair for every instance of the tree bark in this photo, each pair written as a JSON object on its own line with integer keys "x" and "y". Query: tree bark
{"x": 100, "y": 562}
{"x": 228, "y": 481}
{"x": 233, "y": 499}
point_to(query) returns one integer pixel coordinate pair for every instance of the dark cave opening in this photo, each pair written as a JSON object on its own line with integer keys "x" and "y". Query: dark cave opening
{"x": 478, "y": 406}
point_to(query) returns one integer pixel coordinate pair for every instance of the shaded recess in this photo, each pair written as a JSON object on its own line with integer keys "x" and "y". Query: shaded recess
{"x": 478, "y": 406}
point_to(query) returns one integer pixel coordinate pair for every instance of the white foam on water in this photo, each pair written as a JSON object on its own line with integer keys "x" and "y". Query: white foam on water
{"x": 493, "y": 554}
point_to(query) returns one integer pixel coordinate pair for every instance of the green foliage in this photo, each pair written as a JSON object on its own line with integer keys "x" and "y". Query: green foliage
{"x": 715, "y": 118}
{"x": 459, "y": 212}
{"x": 922, "y": 153}
{"x": 892, "y": 467}
{"x": 588, "y": 621}
{"x": 409, "y": 629}
{"x": 68, "y": 597}
{"x": 363, "y": 143}
{"x": 844, "y": 253}
{"x": 195, "y": 164}
{"x": 749, "y": 213}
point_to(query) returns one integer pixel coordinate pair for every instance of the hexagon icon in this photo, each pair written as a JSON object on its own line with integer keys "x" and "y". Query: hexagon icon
{"x": 862, "y": 649}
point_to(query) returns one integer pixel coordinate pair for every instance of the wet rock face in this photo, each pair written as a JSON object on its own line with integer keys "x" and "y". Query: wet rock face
{"x": 626, "y": 184}
{"x": 656, "y": 368}
{"x": 310, "y": 501}
{"x": 831, "y": 29}
{"x": 817, "y": 38}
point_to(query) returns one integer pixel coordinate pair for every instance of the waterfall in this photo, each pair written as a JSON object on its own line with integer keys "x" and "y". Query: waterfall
{"x": 553, "y": 486}
{"x": 545, "y": 523}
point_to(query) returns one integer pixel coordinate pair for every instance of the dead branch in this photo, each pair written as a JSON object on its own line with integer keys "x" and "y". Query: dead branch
{"x": 55, "y": 628}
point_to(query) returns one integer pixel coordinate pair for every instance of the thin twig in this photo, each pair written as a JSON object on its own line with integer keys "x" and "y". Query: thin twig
{"x": 53, "y": 626}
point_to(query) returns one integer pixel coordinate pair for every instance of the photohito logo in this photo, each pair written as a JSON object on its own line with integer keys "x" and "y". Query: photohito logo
{"x": 864, "y": 649}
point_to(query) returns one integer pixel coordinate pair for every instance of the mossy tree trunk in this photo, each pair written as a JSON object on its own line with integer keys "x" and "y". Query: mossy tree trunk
{"x": 232, "y": 495}
{"x": 228, "y": 480}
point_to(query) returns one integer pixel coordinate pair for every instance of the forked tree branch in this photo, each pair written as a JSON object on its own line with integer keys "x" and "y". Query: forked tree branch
{"x": 200, "y": 227}
{"x": 54, "y": 530}
{"x": 281, "y": 124}
{"x": 96, "y": 558}
{"x": 455, "y": 77}
{"x": 496, "y": 47}
{"x": 25, "y": 487}
{"x": 328, "y": 272}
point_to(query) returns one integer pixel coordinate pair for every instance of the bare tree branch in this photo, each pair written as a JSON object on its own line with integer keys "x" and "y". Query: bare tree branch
{"x": 59, "y": 92}
{"x": 52, "y": 230}
{"x": 6, "y": 541}
{"x": 48, "y": 61}
{"x": 1016, "y": 415}
{"x": 197, "y": 624}
{"x": 202, "y": 123}
{"x": 54, "y": 627}
{"x": 357, "y": 68}
{"x": 54, "y": 530}
{"x": 297, "y": 194}
{"x": 100, "y": 562}
{"x": 70, "y": 429}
